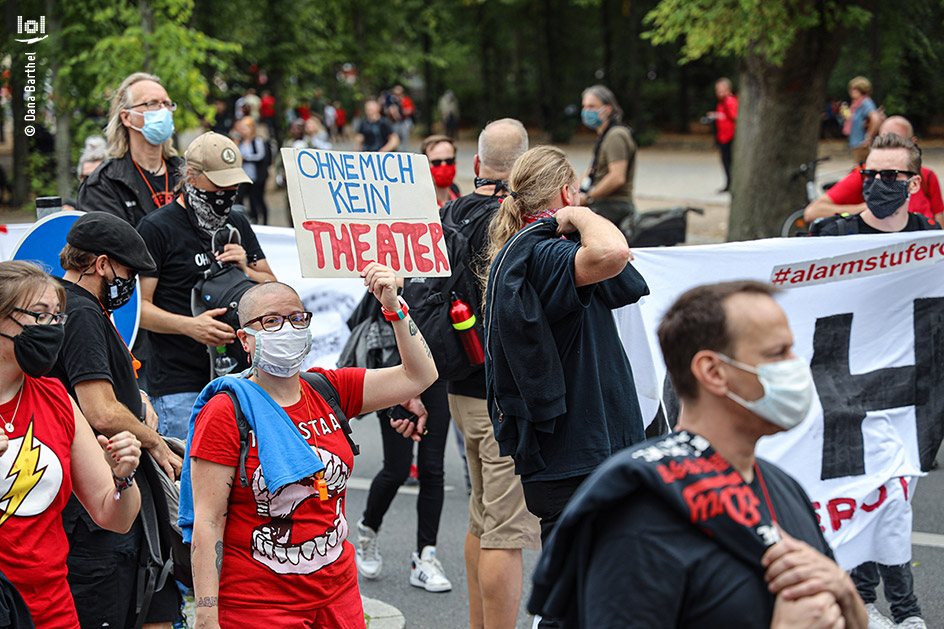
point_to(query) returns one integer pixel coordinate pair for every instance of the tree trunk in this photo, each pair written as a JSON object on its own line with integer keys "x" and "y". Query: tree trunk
{"x": 147, "y": 29}
{"x": 777, "y": 131}
{"x": 63, "y": 146}
{"x": 428, "y": 79}
{"x": 20, "y": 179}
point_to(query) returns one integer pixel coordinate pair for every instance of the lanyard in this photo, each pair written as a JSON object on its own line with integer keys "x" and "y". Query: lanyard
{"x": 319, "y": 476}
{"x": 135, "y": 363}
{"x": 148, "y": 183}
{"x": 763, "y": 487}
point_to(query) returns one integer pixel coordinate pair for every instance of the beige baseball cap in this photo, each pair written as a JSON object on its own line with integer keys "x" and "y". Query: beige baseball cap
{"x": 217, "y": 157}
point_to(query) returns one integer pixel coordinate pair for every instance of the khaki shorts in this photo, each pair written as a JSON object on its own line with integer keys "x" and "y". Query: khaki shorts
{"x": 497, "y": 511}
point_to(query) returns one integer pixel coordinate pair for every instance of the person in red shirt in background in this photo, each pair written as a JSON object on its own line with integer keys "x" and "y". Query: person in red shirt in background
{"x": 846, "y": 196}
{"x": 725, "y": 118}
{"x": 267, "y": 112}
{"x": 340, "y": 118}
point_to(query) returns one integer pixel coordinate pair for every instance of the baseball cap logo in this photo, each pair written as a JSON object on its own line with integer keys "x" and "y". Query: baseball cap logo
{"x": 228, "y": 155}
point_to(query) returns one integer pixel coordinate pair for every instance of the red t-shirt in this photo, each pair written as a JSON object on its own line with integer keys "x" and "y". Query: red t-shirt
{"x": 35, "y": 485}
{"x": 927, "y": 201}
{"x": 726, "y": 119}
{"x": 267, "y": 107}
{"x": 287, "y": 550}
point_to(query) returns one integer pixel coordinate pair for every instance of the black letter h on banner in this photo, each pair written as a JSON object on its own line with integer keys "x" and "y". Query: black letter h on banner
{"x": 846, "y": 398}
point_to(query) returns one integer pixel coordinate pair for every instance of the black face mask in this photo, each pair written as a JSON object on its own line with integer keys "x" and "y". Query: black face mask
{"x": 498, "y": 183}
{"x": 884, "y": 198}
{"x": 37, "y": 347}
{"x": 117, "y": 293}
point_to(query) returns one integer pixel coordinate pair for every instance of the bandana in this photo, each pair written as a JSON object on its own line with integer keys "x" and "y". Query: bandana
{"x": 210, "y": 208}
{"x": 536, "y": 217}
{"x": 498, "y": 183}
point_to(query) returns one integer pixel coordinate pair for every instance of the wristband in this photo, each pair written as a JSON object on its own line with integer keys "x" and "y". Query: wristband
{"x": 396, "y": 315}
{"x": 122, "y": 483}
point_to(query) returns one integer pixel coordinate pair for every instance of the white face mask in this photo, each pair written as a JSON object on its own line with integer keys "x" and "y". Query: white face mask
{"x": 788, "y": 390}
{"x": 280, "y": 353}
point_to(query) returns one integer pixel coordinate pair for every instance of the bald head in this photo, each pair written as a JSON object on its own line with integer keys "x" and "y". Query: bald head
{"x": 255, "y": 301}
{"x": 898, "y": 125}
{"x": 500, "y": 144}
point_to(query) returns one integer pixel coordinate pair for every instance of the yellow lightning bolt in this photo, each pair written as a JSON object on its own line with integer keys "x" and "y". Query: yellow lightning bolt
{"x": 27, "y": 476}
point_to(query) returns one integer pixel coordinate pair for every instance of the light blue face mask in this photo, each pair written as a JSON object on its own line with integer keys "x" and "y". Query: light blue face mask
{"x": 590, "y": 118}
{"x": 158, "y": 125}
{"x": 788, "y": 390}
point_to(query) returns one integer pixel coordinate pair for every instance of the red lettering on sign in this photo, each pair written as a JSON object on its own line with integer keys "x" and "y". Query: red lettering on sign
{"x": 358, "y": 230}
{"x": 412, "y": 233}
{"x": 317, "y": 228}
{"x": 840, "y": 509}
{"x": 436, "y": 233}
{"x": 882, "y": 494}
{"x": 404, "y": 229}
{"x": 387, "y": 248}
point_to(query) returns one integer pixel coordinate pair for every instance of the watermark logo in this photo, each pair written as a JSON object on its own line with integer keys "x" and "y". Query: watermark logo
{"x": 31, "y": 27}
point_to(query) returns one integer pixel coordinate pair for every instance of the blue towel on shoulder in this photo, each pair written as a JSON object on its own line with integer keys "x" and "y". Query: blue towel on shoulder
{"x": 284, "y": 455}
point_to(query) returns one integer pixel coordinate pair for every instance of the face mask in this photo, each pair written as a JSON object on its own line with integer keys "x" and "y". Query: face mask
{"x": 788, "y": 390}
{"x": 117, "y": 292}
{"x": 210, "y": 207}
{"x": 884, "y": 198}
{"x": 36, "y": 348}
{"x": 158, "y": 125}
{"x": 590, "y": 118}
{"x": 280, "y": 353}
{"x": 444, "y": 175}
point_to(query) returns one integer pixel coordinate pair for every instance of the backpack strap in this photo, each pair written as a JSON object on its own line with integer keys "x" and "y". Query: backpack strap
{"x": 243, "y": 427}
{"x": 323, "y": 387}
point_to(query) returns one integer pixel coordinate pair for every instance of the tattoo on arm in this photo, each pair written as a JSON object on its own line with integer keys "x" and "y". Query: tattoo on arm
{"x": 208, "y": 601}
{"x": 219, "y": 557}
{"x": 413, "y": 329}
{"x": 429, "y": 354}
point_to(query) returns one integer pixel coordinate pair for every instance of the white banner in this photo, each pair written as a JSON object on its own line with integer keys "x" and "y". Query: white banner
{"x": 350, "y": 209}
{"x": 874, "y": 339}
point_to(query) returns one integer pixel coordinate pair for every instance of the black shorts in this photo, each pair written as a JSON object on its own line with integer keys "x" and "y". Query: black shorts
{"x": 104, "y": 574}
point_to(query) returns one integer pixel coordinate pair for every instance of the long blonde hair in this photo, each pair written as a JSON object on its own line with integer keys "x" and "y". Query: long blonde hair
{"x": 536, "y": 179}
{"x": 115, "y": 131}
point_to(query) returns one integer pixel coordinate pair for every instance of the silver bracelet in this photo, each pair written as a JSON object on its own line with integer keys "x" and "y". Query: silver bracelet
{"x": 122, "y": 483}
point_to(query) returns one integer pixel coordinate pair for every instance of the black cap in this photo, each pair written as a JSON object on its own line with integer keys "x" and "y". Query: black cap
{"x": 104, "y": 233}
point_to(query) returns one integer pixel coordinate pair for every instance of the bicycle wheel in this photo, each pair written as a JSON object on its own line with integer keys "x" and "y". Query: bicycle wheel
{"x": 795, "y": 225}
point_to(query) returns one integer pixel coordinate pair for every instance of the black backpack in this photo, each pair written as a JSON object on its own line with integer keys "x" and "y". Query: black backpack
{"x": 429, "y": 298}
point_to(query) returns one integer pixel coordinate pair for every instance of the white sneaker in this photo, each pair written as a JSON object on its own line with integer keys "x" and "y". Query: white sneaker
{"x": 427, "y": 572}
{"x": 912, "y": 622}
{"x": 878, "y": 620}
{"x": 366, "y": 554}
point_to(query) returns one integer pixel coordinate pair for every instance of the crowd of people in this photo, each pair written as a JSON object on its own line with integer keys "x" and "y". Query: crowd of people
{"x": 557, "y": 455}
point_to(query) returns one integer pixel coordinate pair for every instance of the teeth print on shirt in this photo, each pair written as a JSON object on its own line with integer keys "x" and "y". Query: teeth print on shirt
{"x": 273, "y": 543}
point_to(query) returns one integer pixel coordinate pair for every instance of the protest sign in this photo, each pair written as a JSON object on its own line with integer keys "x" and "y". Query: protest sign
{"x": 350, "y": 209}
{"x": 866, "y": 313}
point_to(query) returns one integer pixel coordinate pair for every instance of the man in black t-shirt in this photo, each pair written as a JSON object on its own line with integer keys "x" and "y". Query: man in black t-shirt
{"x": 374, "y": 133}
{"x": 691, "y": 530}
{"x": 499, "y": 522}
{"x": 891, "y": 175}
{"x": 102, "y": 256}
{"x": 178, "y": 236}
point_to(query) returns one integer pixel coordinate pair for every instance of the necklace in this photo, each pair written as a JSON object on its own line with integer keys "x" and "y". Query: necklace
{"x": 8, "y": 424}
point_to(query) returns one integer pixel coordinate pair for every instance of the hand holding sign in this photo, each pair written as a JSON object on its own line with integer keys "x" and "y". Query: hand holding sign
{"x": 381, "y": 282}
{"x": 351, "y": 209}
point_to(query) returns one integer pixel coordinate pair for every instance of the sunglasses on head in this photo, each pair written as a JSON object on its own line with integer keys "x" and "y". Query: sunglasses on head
{"x": 885, "y": 175}
{"x": 451, "y": 161}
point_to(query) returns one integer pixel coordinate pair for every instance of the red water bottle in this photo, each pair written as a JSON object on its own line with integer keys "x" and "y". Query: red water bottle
{"x": 463, "y": 321}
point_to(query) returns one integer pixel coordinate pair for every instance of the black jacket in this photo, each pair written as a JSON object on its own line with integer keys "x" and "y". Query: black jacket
{"x": 114, "y": 187}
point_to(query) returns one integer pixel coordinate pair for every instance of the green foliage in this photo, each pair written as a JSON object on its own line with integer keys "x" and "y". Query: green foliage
{"x": 736, "y": 28}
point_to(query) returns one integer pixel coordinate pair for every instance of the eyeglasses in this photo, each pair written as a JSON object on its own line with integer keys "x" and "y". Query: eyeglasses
{"x": 154, "y": 105}
{"x": 45, "y": 318}
{"x": 451, "y": 161}
{"x": 885, "y": 175}
{"x": 274, "y": 322}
